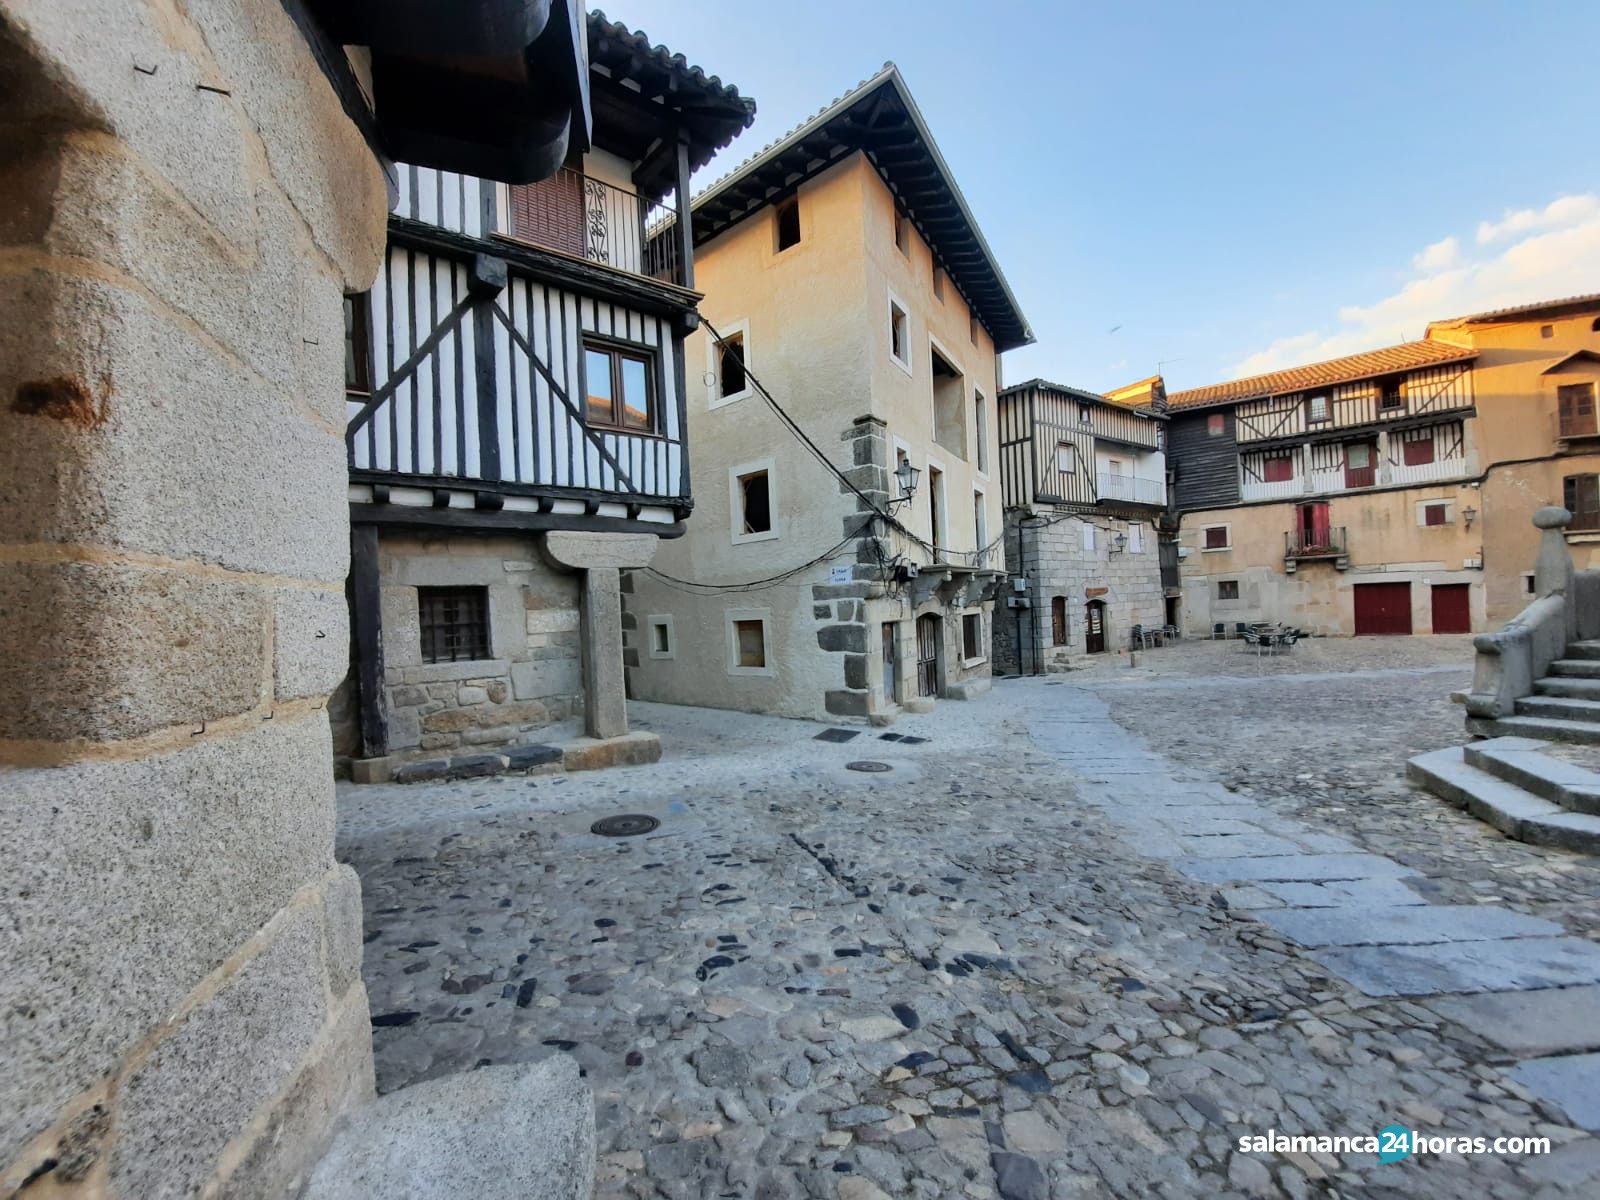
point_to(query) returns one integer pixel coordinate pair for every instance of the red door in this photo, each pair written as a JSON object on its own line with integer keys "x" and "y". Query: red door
{"x": 1452, "y": 611}
{"x": 1314, "y": 528}
{"x": 1360, "y": 466}
{"x": 1383, "y": 608}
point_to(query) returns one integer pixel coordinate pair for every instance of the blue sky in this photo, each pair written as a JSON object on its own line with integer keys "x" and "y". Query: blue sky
{"x": 1231, "y": 187}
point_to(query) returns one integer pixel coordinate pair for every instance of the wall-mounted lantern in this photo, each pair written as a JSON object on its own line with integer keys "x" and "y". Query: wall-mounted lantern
{"x": 1468, "y": 516}
{"x": 1119, "y": 543}
{"x": 906, "y": 476}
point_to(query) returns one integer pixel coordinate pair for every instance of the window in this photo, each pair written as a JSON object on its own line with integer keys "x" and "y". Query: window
{"x": 938, "y": 284}
{"x": 1058, "y": 621}
{"x": 620, "y": 386}
{"x": 899, "y": 335}
{"x": 980, "y": 523}
{"x": 660, "y": 644}
{"x": 1085, "y": 417}
{"x": 972, "y": 328}
{"x": 1088, "y": 537}
{"x": 1135, "y": 539}
{"x": 747, "y": 641}
{"x": 949, "y": 404}
{"x": 1529, "y": 578}
{"x": 972, "y": 636}
{"x": 980, "y": 429}
{"x": 1436, "y": 514}
{"x": 1278, "y": 469}
{"x": 750, "y": 502}
{"x": 1216, "y": 537}
{"x": 1317, "y": 408}
{"x": 1227, "y": 589}
{"x": 1360, "y": 469}
{"x": 1580, "y": 495}
{"x": 1417, "y": 452}
{"x": 358, "y": 343}
{"x": 1066, "y": 458}
{"x": 1216, "y": 425}
{"x": 454, "y": 623}
{"x": 1547, "y": 331}
{"x": 751, "y": 640}
{"x": 902, "y": 232}
{"x": 936, "y": 525}
{"x": 788, "y": 223}
{"x": 1392, "y": 397}
{"x": 1575, "y": 402}
{"x": 731, "y": 379}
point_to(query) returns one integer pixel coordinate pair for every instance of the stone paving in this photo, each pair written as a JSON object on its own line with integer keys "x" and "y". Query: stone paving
{"x": 991, "y": 971}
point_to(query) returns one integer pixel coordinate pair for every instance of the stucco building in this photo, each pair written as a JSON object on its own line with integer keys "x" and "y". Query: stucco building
{"x": 516, "y": 383}
{"x": 1389, "y": 492}
{"x": 855, "y": 318}
{"x": 1084, "y": 482}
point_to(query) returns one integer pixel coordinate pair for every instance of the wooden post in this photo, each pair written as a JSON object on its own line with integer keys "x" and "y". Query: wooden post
{"x": 685, "y": 228}
{"x": 366, "y": 616}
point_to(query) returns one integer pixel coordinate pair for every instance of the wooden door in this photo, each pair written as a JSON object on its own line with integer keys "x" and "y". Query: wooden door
{"x": 888, "y": 660}
{"x": 1360, "y": 465}
{"x": 928, "y": 655}
{"x": 1452, "y": 608}
{"x": 1094, "y": 627}
{"x": 1314, "y": 525}
{"x": 1383, "y": 608}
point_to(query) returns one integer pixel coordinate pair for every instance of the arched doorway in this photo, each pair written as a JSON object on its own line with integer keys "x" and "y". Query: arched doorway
{"x": 929, "y": 639}
{"x": 1094, "y": 627}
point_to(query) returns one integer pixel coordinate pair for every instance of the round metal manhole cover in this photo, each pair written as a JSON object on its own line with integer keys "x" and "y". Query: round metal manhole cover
{"x": 868, "y": 765}
{"x": 624, "y": 825}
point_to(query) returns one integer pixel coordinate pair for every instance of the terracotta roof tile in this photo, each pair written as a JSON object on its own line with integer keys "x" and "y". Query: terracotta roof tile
{"x": 1523, "y": 310}
{"x": 1405, "y": 357}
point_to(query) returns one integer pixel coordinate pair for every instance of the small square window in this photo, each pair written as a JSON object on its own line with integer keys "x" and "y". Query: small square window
{"x": 902, "y": 232}
{"x": 1417, "y": 452}
{"x": 1227, "y": 589}
{"x": 1392, "y": 397}
{"x": 1547, "y": 331}
{"x": 972, "y": 636}
{"x": 1216, "y": 425}
{"x": 454, "y": 622}
{"x": 1216, "y": 537}
{"x": 1277, "y": 469}
{"x": 899, "y": 335}
{"x": 620, "y": 386}
{"x": 1066, "y": 458}
{"x": 1085, "y": 416}
{"x": 660, "y": 641}
{"x": 755, "y": 503}
{"x": 788, "y": 221}
{"x": 1317, "y": 408}
{"x": 358, "y": 343}
{"x": 731, "y": 377}
{"x": 750, "y": 642}
{"x": 1436, "y": 514}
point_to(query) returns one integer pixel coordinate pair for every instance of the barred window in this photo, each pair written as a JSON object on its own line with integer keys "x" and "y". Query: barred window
{"x": 455, "y": 623}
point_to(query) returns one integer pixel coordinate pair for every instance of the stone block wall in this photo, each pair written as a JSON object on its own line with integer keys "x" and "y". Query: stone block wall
{"x": 534, "y": 674}
{"x": 183, "y": 203}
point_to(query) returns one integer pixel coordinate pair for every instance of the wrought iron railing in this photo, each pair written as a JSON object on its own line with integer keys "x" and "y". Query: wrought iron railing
{"x": 1316, "y": 543}
{"x": 585, "y": 217}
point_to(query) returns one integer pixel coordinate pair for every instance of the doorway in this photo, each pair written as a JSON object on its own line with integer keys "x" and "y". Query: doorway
{"x": 928, "y": 638}
{"x": 1452, "y": 608}
{"x": 1314, "y": 528}
{"x": 889, "y": 656}
{"x": 1172, "y": 611}
{"x": 1094, "y": 627}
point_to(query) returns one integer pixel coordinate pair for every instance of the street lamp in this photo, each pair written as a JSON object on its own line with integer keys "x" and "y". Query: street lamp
{"x": 1469, "y": 515}
{"x": 1119, "y": 543}
{"x": 906, "y": 476}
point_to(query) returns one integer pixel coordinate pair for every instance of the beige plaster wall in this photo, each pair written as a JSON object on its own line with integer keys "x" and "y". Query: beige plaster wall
{"x": 183, "y": 203}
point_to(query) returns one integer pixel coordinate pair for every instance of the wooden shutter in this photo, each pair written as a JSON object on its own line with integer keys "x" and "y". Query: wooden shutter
{"x": 550, "y": 213}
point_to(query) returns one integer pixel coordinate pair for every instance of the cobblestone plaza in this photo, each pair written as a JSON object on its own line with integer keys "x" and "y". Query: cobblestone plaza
{"x": 1054, "y": 951}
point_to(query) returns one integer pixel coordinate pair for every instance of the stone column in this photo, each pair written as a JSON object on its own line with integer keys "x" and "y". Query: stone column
{"x": 1552, "y": 568}
{"x": 183, "y": 204}
{"x": 600, "y": 556}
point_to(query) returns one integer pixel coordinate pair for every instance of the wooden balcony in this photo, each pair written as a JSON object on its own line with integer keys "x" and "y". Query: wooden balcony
{"x": 578, "y": 215}
{"x": 1130, "y": 489}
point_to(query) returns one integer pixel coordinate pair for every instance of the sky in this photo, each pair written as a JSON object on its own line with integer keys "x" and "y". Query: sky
{"x": 1214, "y": 190}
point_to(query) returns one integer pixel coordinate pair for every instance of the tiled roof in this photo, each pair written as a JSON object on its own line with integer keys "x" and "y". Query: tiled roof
{"x": 1405, "y": 357}
{"x": 1075, "y": 393}
{"x": 708, "y": 88}
{"x": 1523, "y": 310}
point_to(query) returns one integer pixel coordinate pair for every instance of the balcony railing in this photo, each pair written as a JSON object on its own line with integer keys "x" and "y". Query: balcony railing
{"x": 1316, "y": 543}
{"x": 576, "y": 214}
{"x": 1130, "y": 489}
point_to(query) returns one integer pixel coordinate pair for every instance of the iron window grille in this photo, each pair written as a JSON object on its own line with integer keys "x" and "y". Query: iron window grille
{"x": 455, "y": 623}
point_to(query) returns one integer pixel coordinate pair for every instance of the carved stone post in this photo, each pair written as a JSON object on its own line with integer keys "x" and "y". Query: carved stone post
{"x": 1552, "y": 569}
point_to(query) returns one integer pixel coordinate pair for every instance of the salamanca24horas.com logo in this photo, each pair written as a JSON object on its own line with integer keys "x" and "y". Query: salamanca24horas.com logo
{"x": 1392, "y": 1143}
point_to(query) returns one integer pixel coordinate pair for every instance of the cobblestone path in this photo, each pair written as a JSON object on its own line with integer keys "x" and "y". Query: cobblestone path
{"x": 980, "y": 974}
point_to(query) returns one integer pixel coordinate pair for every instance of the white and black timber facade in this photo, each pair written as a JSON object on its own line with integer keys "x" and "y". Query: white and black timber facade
{"x": 515, "y": 420}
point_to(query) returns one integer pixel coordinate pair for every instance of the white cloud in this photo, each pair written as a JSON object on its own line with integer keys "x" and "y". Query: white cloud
{"x": 1537, "y": 254}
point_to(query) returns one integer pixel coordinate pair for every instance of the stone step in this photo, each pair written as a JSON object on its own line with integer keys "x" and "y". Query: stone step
{"x": 1548, "y": 728}
{"x": 1581, "y": 687}
{"x": 1504, "y": 805}
{"x": 1524, "y": 763}
{"x": 1576, "y": 668}
{"x": 1589, "y": 649}
{"x": 1562, "y": 708}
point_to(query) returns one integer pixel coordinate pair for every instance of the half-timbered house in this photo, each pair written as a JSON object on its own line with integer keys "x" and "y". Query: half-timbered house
{"x": 515, "y": 419}
{"x": 844, "y": 556}
{"x": 1084, "y": 484}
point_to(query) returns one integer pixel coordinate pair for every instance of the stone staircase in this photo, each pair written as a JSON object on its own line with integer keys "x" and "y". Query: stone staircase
{"x": 1564, "y": 706}
{"x": 1517, "y": 786}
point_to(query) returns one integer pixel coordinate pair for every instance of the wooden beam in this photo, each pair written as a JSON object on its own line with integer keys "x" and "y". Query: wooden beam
{"x": 684, "y": 232}
{"x": 366, "y": 615}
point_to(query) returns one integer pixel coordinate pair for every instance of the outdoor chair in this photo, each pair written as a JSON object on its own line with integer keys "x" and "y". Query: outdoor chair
{"x": 1239, "y": 628}
{"x": 1219, "y": 630}
{"x": 1171, "y": 631}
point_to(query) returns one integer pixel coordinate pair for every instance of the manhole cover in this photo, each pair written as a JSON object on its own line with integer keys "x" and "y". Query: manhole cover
{"x": 625, "y": 825}
{"x": 867, "y": 764}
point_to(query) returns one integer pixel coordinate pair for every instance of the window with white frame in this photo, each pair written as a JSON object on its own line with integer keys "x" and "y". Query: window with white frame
{"x": 660, "y": 642}
{"x": 1088, "y": 536}
{"x": 980, "y": 428}
{"x": 899, "y": 334}
{"x": 749, "y": 641}
{"x": 1135, "y": 538}
{"x": 751, "y": 502}
{"x": 980, "y": 522}
{"x": 1215, "y": 537}
{"x": 1066, "y": 458}
{"x": 728, "y": 365}
{"x": 972, "y": 650}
